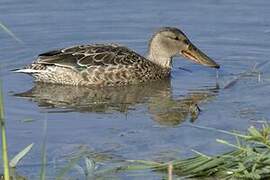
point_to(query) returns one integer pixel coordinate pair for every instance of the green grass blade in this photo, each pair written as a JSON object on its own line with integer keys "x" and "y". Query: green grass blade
{"x": 249, "y": 160}
{"x": 200, "y": 154}
{"x": 43, "y": 153}
{"x": 14, "y": 161}
{"x": 231, "y": 145}
{"x": 220, "y": 131}
{"x": 3, "y": 134}
{"x": 3, "y": 131}
{"x": 150, "y": 163}
{"x": 9, "y": 32}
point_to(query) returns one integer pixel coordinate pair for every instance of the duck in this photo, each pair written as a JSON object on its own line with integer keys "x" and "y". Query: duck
{"x": 114, "y": 64}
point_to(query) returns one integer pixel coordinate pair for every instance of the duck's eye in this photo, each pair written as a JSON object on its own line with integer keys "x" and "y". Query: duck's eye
{"x": 176, "y": 38}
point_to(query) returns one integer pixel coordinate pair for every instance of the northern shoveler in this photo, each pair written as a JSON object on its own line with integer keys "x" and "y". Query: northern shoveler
{"x": 111, "y": 64}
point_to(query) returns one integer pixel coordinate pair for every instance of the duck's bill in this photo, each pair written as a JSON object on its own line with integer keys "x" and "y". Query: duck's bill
{"x": 198, "y": 56}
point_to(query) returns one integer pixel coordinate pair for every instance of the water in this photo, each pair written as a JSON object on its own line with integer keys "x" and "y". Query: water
{"x": 150, "y": 121}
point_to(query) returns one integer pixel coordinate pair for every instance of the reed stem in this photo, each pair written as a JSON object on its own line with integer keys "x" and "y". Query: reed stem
{"x": 3, "y": 136}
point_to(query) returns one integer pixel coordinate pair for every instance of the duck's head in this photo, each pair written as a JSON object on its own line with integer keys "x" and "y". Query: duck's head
{"x": 169, "y": 42}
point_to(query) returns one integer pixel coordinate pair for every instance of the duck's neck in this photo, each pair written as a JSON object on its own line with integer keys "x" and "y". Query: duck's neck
{"x": 157, "y": 54}
{"x": 164, "y": 62}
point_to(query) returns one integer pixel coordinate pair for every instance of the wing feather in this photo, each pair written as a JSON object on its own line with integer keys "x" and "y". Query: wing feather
{"x": 84, "y": 56}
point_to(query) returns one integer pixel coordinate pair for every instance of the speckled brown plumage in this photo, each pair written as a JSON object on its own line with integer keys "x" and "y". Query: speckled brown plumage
{"x": 111, "y": 64}
{"x": 98, "y": 64}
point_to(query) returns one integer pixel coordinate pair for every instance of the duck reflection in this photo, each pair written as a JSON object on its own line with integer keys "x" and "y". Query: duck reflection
{"x": 170, "y": 112}
{"x": 163, "y": 108}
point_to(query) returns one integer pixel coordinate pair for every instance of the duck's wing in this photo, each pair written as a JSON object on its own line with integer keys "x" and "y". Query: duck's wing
{"x": 84, "y": 56}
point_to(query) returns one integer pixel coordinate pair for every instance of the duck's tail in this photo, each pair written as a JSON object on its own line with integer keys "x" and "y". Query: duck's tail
{"x": 26, "y": 71}
{"x": 30, "y": 69}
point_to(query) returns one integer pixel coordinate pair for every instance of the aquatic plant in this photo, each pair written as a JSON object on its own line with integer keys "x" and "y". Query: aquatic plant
{"x": 17, "y": 158}
{"x": 250, "y": 159}
{"x": 3, "y": 136}
{"x": 9, "y": 166}
{"x": 43, "y": 153}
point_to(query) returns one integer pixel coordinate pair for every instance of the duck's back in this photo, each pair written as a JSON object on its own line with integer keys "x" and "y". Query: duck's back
{"x": 97, "y": 64}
